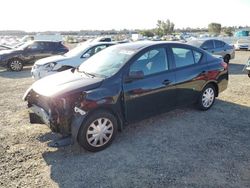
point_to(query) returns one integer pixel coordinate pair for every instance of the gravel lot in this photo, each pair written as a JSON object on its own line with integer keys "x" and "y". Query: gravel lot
{"x": 182, "y": 148}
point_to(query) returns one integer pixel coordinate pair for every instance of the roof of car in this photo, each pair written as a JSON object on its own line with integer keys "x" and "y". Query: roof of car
{"x": 136, "y": 46}
{"x": 44, "y": 41}
{"x": 97, "y": 43}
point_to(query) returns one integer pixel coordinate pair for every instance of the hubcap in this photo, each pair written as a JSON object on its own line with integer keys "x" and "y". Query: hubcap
{"x": 99, "y": 132}
{"x": 16, "y": 65}
{"x": 208, "y": 97}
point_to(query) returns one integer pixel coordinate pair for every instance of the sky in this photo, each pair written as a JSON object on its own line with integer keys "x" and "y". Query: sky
{"x": 65, "y": 15}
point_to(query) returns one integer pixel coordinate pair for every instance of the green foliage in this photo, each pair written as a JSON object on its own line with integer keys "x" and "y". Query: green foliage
{"x": 228, "y": 31}
{"x": 164, "y": 28}
{"x": 214, "y": 28}
{"x": 147, "y": 33}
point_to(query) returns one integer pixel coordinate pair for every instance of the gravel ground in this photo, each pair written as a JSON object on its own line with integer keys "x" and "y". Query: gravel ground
{"x": 182, "y": 148}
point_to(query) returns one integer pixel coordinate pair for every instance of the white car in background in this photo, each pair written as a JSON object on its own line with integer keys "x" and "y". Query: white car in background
{"x": 242, "y": 44}
{"x": 73, "y": 58}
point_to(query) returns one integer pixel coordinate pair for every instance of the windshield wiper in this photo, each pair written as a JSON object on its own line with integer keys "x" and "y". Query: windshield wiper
{"x": 86, "y": 73}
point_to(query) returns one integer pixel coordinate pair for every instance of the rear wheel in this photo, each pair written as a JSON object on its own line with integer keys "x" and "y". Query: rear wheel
{"x": 98, "y": 131}
{"x": 207, "y": 97}
{"x": 15, "y": 64}
{"x": 226, "y": 59}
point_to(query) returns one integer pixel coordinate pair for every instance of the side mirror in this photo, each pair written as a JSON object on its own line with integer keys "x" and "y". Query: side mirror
{"x": 134, "y": 75}
{"x": 86, "y": 55}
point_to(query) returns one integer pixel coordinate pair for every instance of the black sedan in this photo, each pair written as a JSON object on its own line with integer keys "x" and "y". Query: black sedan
{"x": 16, "y": 58}
{"x": 123, "y": 84}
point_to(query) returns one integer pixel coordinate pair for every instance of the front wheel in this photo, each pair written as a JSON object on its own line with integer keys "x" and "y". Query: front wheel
{"x": 207, "y": 97}
{"x": 15, "y": 65}
{"x": 98, "y": 131}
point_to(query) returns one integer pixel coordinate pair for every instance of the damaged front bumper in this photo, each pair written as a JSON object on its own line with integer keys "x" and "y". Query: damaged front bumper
{"x": 38, "y": 115}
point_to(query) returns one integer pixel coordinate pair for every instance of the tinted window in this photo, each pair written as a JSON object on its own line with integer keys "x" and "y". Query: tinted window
{"x": 219, "y": 44}
{"x": 197, "y": 56}
{"x": 151, "y": 62}
{"x": 208, "y": 44}
{"x": 184, "y": 57}
{"x": 36, "y": 46}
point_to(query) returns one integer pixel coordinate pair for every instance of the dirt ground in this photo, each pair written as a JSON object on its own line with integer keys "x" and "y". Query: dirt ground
{"x": 182, "y": 148}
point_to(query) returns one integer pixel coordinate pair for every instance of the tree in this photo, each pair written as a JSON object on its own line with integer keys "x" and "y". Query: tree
{"x": 164, "y": 28}
{"x": 147, "y": 33}
{"x": 214, "y": 28}
{"x": 228, "y": 31}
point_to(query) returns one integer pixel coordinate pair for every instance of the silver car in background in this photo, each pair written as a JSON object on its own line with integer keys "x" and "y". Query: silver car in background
{"x": 216, "y": 47}
{"x": 242, "y": 44}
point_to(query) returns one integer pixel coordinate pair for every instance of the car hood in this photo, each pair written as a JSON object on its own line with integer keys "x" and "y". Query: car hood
{"x": 51, "y": 59}
{"x": 5, "y": 52}
{"x": 64, "y": 83}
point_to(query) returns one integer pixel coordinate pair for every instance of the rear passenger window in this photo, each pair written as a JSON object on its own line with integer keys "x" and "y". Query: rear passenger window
{"x": 219, "y": 44}
{"x": 185, "y": 57}
{"x": 207, "y": 45}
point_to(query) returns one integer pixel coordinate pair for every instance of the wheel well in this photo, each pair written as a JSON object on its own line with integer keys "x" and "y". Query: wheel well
{"x": 13, "y": 58}
{"x": 228, "y": 55}
{"x": 216, "y": 88}
{"x": 110, "y": 110}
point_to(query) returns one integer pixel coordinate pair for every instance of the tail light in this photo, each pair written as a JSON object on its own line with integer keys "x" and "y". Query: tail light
{"x": 224, "y": 65}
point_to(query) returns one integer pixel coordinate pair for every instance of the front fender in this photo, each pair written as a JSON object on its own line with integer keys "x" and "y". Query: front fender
{"x": 76, "y": 124}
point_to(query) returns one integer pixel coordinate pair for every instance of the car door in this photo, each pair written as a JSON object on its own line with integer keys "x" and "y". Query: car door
{"x": 220, "y": 48}
{"x": 154, "y": 92}
{"x": 190, "y": 70}
{"x": 33, "y": 52}
{"x": 49, "y": 49}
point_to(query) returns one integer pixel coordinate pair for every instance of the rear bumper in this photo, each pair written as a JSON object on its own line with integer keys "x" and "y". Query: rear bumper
{"x": 222, "y": 82}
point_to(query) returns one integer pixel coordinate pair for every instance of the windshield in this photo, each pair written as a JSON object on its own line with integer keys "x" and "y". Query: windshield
{"x": 107, "y": 62}
{"x": 24, "y": 45}
{"x": 77, "y": 50}
{"x": 196, "y": 43}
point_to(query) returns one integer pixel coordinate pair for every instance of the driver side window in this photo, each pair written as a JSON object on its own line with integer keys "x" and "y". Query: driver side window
{"x": 35, "y": 46}
{"x": 151, "y": 62}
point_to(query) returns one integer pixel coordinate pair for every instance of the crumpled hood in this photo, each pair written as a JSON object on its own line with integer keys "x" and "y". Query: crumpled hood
{"x": 5, "y": 52}
{"x": 65, "y": 82}
{"x": 50, "y": 59}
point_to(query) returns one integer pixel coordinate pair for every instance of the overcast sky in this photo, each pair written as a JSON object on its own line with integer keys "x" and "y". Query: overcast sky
{"x": 44, "y": 15}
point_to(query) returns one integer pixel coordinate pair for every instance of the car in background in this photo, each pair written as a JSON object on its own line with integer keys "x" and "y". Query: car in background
{"x": 122, "y": 84}
{"x": 247, "y": 67}
{"x": 4, "y": 47}
{"x": 14, "y": 59}
{"x": 216, "y": 47}
{"x": 71, "y": 59}
{"x": 242, "y": 44}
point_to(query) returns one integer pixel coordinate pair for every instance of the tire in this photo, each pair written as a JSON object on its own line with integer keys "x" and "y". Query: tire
{"x": 226, "y": 59}
{"x": 207, "y": 97}
{"x": 102, "y": 123}
{"x": 15, "y": 64}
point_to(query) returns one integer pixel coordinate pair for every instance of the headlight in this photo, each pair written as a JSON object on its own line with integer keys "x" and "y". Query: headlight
{"x": 49, "y": 66}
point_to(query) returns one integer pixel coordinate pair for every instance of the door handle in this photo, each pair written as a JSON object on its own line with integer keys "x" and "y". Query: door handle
{"x": 166, "y": 82}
